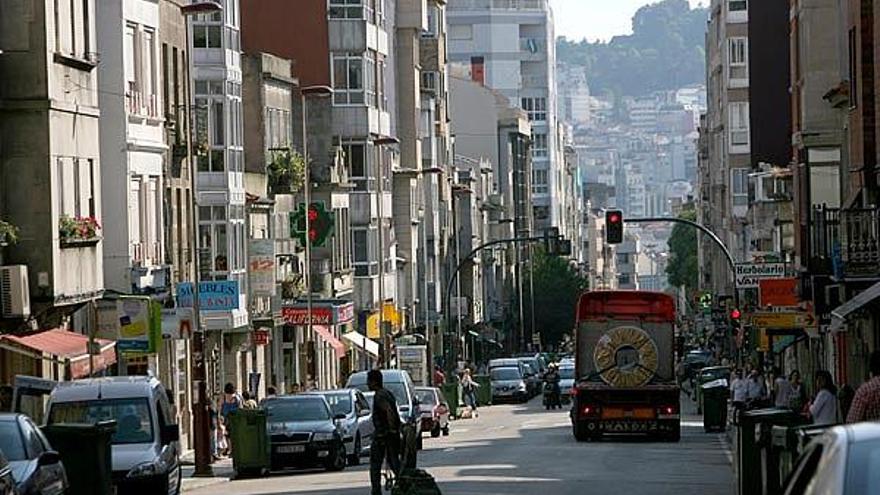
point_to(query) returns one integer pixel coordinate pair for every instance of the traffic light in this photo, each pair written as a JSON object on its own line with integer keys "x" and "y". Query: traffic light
{"x": 735, "y": 316}
{"x": 321, "y": 223}
{"x": 613, "y": 227}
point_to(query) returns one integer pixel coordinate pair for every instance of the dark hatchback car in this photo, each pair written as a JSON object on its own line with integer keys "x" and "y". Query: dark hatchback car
{"x": 36, "y": 468}
{"x": 304, "y": 433}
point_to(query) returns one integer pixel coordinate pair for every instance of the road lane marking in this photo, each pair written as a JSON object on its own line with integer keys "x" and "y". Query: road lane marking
{"x": 725, "y": 447}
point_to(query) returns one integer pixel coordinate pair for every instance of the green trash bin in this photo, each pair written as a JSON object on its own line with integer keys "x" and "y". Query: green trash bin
{"x": 87, "y": 454}
{"x": 714, "y": 396}
{"x": 452, "y": 393}
{"x": 250, "y": 442}
{"x": 757, "y": 464}
{"x": 484, "y": 391}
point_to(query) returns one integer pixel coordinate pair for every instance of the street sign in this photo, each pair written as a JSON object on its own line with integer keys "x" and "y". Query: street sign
{"x": 783, "y": 320}
{"x": 749, "y": 275}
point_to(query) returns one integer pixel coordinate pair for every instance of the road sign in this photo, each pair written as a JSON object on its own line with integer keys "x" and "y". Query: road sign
{"x": 749, "y": 275}
{"x": 783, "y": 320}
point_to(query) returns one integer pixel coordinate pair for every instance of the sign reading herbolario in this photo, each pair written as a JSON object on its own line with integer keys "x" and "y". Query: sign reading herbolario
{"x": 749, "y": 275}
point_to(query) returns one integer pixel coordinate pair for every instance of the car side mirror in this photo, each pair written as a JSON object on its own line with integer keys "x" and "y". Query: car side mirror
{"x": 170, "y": 433}
{"x": 338, "y": 417}
{"x": 364, "y": 412}
{"x": 49, "y": 458}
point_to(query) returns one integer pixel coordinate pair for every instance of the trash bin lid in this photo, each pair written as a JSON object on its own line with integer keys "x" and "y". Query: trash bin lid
{"x": 773, "y": 415}
{"x": 719, "y": 383}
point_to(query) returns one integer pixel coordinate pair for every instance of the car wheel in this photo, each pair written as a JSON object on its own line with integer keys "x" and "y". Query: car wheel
{"x": 337, "y": 458}
{"x": 355, "y": 458}
{"x": 435, "y": 431}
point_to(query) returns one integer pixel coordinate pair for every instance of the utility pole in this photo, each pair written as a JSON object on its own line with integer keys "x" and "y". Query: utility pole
{"x": 381, "y": 143}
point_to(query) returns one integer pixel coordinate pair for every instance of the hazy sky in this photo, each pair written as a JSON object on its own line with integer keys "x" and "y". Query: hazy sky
{"x": 598, "y": 19}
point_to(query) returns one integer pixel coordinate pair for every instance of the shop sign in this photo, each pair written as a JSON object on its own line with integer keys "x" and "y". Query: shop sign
{"x": 220, "y": 295}
{"x": 177, "y": 323}
{"x": 261, "y": 336}
{"x": 261, "y": 272}
{"x": 300, "y": 316}
{"x": 749, "y": 275}
{"x": 778, "y": 292}
{"x": 134, "y": 322}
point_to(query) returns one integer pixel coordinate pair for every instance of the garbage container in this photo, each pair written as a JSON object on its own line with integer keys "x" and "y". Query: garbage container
{"x": 757, "y": 462}
{"x": 790, "y": 443}
{"x": 87, "y": 455}
{"x": 452, "y": 392}
{"x": 484, "y": 391}
{"x": 250, "y": 442}
{"x": 714, "y": 396}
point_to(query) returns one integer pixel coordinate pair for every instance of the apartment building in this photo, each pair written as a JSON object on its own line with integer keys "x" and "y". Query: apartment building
{"x": 49, "y": 130}
{"x": 509, "y": 46}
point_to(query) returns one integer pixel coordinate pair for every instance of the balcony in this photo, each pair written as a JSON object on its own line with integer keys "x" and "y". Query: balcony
{"x": 824, "y": 242}
{"x": 861, "y": 242}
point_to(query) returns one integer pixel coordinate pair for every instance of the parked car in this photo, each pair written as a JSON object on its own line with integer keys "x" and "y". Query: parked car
{"x": 303, "y": 432}
{"x": 844, "y": 460}
{"x": 7, "y": 482}
{"x": 508, "y": 383}
{"x": 435, "y": 410}
{"x": 534, "y": 379}
{"x": 145, "y": 446}
{"x": 503, "y": 362}
{"x": 35, "y": 467}
{"x": 357, "y": 426}
{"x": 566, "y": 381}
{"x": 369, "y": 396}
{"x": 399, "y": 383}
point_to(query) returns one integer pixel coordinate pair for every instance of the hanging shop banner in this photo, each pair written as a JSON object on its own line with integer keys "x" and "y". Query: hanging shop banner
{"x": 220, "y": 295}
{"x": 261, "y": 267}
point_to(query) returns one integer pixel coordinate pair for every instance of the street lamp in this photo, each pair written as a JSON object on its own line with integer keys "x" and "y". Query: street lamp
{"x": 386, "y": 347}
{"x": 201, "y": 421}
{"x": 318, "y": 91}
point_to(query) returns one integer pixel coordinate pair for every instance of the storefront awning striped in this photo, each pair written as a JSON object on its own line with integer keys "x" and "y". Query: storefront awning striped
{"x": 327, "y": 336}
{"x": 369, "y": 346}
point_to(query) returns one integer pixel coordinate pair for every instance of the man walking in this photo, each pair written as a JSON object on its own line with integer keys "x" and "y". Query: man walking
{"x": 866, "y": 404}
{"x": 386, "y": 439}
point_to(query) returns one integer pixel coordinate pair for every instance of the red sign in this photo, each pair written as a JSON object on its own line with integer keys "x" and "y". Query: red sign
{"x": 299, "y": 316}
{"x": 778, "y": 291}
{"x": 261, "y": 336}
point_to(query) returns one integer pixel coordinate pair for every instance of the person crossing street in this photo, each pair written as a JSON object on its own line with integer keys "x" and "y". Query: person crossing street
{"x": 386, "y": 439}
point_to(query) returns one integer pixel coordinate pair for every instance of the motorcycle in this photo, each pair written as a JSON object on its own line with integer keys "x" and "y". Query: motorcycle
{"x": 552, "y": 395}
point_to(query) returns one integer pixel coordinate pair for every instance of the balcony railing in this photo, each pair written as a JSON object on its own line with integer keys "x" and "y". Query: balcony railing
{"x": 825, "y": 241}
{"x": 499, "y": 5}
{"x": 861, "y": 246}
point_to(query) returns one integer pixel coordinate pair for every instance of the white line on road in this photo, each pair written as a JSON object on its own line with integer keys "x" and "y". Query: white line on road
{"x": 725, "y": 447}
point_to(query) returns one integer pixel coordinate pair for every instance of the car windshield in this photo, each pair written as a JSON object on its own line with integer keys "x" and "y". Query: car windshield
{"x": 426, "y": 397}
{"x": 132, "y": 416}
{"x": 10, "y": 441}
{"x": 566, "y": 373}
{"x": 864, "y": 468}
{"x": 339, "y": 403}
{"x": 299, "y": 409}
{"x": 398, "y": 389}
{"x": 501, "y": 374}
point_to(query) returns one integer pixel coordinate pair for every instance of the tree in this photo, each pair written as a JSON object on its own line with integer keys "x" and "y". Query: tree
{"x": 557, "y": 287}
{"x": 683, "y": 269}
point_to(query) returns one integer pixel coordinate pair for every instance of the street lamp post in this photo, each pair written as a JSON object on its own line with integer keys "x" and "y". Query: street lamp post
{"x": 201, "y": 419}
{"x": 386, "y": 347}
{"x": 317, "y": 91}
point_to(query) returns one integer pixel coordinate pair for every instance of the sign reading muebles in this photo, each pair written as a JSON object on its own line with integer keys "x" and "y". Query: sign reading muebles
{"x": 221, "y": 295}
{"x": 749, "y": 275}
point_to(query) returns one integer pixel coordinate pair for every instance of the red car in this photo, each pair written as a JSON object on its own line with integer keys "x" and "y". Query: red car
{"x": 434, "y": 409}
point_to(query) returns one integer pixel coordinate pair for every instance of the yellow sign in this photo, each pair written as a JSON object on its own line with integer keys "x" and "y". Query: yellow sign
{"x": 390, "y": 315}
{"x": 763, "y": 340}
{"x": 783, "y": 320}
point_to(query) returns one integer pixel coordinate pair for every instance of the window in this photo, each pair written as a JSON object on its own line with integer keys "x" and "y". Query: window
{"x": 358, "y": 166}
{"x": 624, "y": 280}
{"x": 622, "y": 258}
{"x": 461, "y": 32}
{"x": 218, "y": 123}
{"x": 365, "y": 251}
{"x": 207, "y": 36}
{"x": 347, "y": 9}
{"x": 370, "y": 79}
{"x": 739, "y": 185}
{"x": 853, "y": 70}
{"x": 539, "y": 182}
{"x": 536, "y": 108}
{"x": 739, "y": 124}
{"x": 738, "y": 58}
{"x": 348, "y": 78}
{"x": 539, "y": 146}
{"x": 737, "y": 5}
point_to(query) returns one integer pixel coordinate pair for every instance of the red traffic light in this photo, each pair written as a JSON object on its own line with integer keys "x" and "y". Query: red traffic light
{"x": 614, "y": 218}
{"x": 313, "y": 214}
{"x": 735, "y": 314}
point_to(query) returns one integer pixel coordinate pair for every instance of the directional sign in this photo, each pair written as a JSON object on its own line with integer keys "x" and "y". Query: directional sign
{"x": 783, "y": 320}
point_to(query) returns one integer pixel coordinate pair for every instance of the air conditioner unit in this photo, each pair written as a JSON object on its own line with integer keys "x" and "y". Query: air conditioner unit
{"x": 15, "y": 298}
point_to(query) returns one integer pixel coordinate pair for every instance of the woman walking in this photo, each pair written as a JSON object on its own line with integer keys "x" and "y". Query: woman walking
{"x": 823, "y": 410}
{"x": 469, "y": 387}
{"x": 797, "y": 394}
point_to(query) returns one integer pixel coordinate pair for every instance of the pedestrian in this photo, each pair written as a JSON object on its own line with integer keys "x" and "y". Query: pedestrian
{"x": 756, "y": 390}
{"x": 823, "y": 409}
{"x": 797, "y": 393}
{"x": 739, "y": 389}
{"x": 781, "y": 389}
{"x": 247, "y": 401}
{"x": 439, "y": 376}
{"x": 866, "y": 403}
{"x": 469, "y": 388}
{"x": 386, "y": 436}
{"x": 230, "y": 402}
{"x": 271, "y": 392}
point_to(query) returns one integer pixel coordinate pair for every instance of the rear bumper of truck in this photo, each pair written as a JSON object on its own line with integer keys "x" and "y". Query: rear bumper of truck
{"x": 649, "y": 411}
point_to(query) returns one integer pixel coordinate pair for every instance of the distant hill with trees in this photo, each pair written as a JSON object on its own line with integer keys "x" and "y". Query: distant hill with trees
{"x": 666, "y": 51}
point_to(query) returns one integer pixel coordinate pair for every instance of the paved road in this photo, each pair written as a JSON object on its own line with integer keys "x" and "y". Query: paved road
{"x": 514, "y": 450}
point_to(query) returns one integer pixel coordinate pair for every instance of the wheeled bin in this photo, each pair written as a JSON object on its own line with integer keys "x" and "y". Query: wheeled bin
{"x": 250, "y": 443}
{"x": 87, "y": 455}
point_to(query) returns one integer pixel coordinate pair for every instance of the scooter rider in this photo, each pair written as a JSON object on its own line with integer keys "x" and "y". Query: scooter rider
{"x": 552, "y": 378}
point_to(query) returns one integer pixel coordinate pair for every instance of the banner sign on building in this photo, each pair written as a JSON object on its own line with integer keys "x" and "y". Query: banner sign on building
{"x": 261, "y": 267}
{"x": 220, "y": 295}
{"x": 177, "y": 323}
{"x": 749, "y": 275}
{"x": 322, "y": 313}
{"x": 134, "y": 322}
{"x": 778, "y": 292}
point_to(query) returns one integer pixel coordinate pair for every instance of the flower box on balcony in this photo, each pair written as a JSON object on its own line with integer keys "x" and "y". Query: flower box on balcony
{"x": 78, "y": 232}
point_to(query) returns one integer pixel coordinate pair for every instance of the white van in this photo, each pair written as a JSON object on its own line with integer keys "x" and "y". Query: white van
{"x": 146, "y": 449}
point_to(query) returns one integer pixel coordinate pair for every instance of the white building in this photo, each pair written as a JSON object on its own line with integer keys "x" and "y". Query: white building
{"x": 133, "y": 141}
{"x": 510, "y": 47}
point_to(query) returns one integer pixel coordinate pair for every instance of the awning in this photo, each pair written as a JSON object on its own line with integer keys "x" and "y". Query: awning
{"x": 328, "y": 337}
{"x": 369, "y": 346}
{"x": 840, "y": 315}
{"x": 63, "y": 346}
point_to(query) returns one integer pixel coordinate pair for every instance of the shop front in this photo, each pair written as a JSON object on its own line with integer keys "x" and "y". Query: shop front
{"x": 312, "y": 341}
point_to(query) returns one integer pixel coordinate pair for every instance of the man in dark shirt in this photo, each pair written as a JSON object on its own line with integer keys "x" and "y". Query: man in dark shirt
{"x": 386, "y": 439}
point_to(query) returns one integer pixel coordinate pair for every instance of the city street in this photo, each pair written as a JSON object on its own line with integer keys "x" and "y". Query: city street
{"x": 523, "y": 449}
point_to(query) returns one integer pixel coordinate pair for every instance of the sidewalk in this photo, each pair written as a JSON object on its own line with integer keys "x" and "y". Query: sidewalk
{"x": 223, "y": 472}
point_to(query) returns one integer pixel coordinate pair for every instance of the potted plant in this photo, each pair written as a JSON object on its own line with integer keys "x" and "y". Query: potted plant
{"x": 78, "y": 231}
{"x": 8, "y": 233}
{"x": 286, "y": 172}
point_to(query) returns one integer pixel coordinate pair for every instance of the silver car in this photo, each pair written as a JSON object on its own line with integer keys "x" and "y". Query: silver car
{"x": 844, "y": 460}
{"x": 508, "y": 383}
{"x": 566, "y": 382}
{"x": 357, "y": 427}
